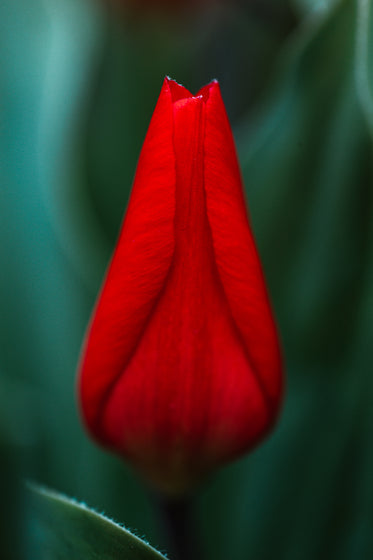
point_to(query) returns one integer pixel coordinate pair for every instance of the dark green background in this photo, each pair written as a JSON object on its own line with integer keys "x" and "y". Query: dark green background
{"x": 77, "y": 88}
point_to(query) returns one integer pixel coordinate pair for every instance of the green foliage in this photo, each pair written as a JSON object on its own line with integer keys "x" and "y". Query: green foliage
{"x": 63, "y": 528}
{"x": 308, "y": 172}
{"x": 364, "y": 58}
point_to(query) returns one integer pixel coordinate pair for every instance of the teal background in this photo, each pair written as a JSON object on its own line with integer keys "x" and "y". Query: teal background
{"x": 78, "y": 84}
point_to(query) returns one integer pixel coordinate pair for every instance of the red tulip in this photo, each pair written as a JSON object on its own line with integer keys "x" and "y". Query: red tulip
{"x": 181, "y": 369}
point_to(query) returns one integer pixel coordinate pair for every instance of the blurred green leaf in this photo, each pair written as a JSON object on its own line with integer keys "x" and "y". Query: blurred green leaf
{"x": 63, "y": 528}
{"x": 317, "y": 7}
{"x": 364, "y": 58}
{"x": 307, "y": 166}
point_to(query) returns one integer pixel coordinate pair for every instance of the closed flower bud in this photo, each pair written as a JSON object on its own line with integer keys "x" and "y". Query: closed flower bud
{"x": 181, "y": 369}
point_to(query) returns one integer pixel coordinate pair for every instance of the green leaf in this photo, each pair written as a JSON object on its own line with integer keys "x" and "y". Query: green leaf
{"x": 63, "y": 528}
{"x": 307, "y": 7}
{"x": 307, "y": 168}
{"x": 364, "y": 58}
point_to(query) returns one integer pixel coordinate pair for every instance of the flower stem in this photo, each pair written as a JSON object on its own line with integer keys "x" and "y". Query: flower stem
{"x": 178, "y": 522}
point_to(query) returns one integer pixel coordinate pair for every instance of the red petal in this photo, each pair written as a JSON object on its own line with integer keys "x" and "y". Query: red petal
{"x": 236, "y": 255}
{"x": 139, "y": 267}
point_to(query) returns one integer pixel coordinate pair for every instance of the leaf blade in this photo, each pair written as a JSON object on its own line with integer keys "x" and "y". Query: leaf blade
{"x": 63, "y": 528}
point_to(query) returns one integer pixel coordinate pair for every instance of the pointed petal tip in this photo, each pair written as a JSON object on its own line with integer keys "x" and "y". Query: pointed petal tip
{"x": 209, "y": 89}
{"x": 178, "y": 91}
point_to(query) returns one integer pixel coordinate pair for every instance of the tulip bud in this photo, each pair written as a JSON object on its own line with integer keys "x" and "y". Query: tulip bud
{"x": 181, "y": 369}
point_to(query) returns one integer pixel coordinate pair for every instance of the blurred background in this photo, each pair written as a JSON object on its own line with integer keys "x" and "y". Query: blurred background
{"x": 78, "y": 83}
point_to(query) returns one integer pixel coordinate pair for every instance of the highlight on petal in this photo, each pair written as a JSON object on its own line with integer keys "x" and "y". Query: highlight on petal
{"x": 181, "y": 370}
